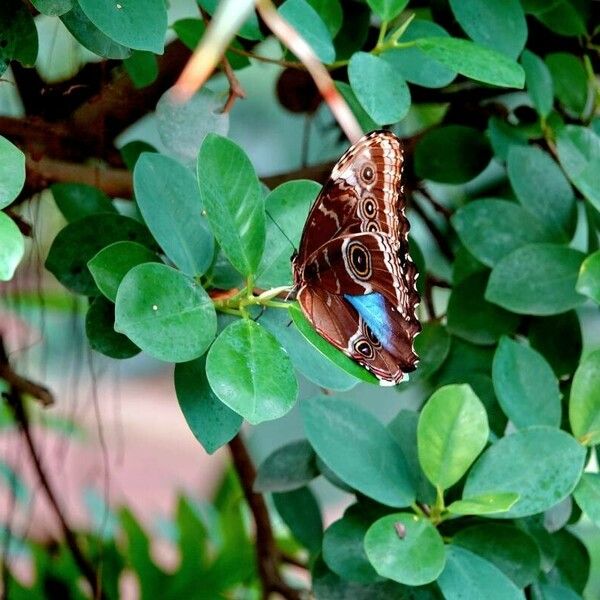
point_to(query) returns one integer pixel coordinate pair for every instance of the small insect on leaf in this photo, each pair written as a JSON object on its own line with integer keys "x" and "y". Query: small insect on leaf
{"x": 400, "y": 530}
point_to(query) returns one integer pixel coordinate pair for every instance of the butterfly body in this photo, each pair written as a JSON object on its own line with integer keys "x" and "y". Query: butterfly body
{"x": 353, "y": 273}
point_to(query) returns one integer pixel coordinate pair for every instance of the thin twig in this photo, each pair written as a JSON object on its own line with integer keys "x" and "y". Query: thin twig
{"x": 15, "y": 402}
{"x": 440, "y": 208}
{"x": 267, "y": 553}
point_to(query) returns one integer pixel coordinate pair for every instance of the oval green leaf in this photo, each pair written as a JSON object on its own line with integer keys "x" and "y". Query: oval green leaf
{"x": 541, "y": 464}
{"x": 77, "y": 200}
{"x": 473, "y": 61}
{"x": 307, "y": 22}
{"x": 584, "y": 404}
{"x": 496, "y": 24}
{"x": 240, "y": 370}
{"x": 328, "y": 350}
{"x": 491, "y": 228}
{"x": 587, "y": 496}
{"x": 416, "y": 66}
{"x": 537, "y": 279}
{"x": 80, "y": 241}
{"x": 387, "y": 9}
{"x": 471, "y": 317}
{"x": 541, "y": 188}
{"x": 139, "y": 24}
{"x": 513, "y": 551}
{"x": 373, "y": 463}
{"x": 538, "y": 81}
{"x": 212, "y": 423}
{"x": 486, "y": 504}
{"x": 579, "y": 154}
{"x": 379, "y": 88}
{"x": 167, "y": 314}
{"x": 112, "y": 263}
{"x": 452, "y": 154}
{"x": 301, "y": 513}
{"x": 453, "y": 429}
{"x": 588, "y": 282}
{"x": 406, "y": 549}
{"x": 12, "y": 247}
{"x": 570, "y": 80}
{"x": 168, "y": 197}
{"x": 467, "y": 576}
{"x": 233, "y": 201}
{"x": 12, "y": 171}
{"x": 288, "y": 468}
{"x": 525, "y": 385}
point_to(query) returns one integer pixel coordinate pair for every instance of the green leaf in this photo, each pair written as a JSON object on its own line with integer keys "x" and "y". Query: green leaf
{"x": 12, "y": 170}
{"x": 513, "y": 551}
{"x": 138, "y": 24}
{"x": 249, "y": 30}
{"x": 403, "y": 428}
{"x": 579, "y": 154}
{"x": 343, "y": 547}
{"x": 239, "y": 367}
{"x": 12, "y": 247}
{"x": 233, "y": 201}
{"x": 416, "y": 66}
{"x": 496, "y": 24}
{"x": 77, "y": 200}
{"x": 19, "y": 35}
{"x": 373, "y": 463}
{"x": 503, "y": 136}
{"x": 101, "y": 334}
{"x": 301, "y": 513}
{"x": 331, "y": 12}
{"x": 451, "y": 154}
{"x": 471, "y": 317}
{"x": 538, "y": 81}
{"x": 572, "y": 566}
{"x": 169, "y": 201}
{"x": 364, "y": 120}
{"x": 538, "y": 279}
{"x": 486, "y": 504}
{"x": 288, "y": 206}
{"x": 473, "y": 61}
{"x": 587, "y": 496}
{"x": 561, "y": 16}
{"x": 558, "y": 339}
{"x": 81, "y": 240}
{"x": 432, "y": 346}
{"x": 328, "y": 350}
{"x": 557, "y": 592}
{"x": 288, "y": 468}
{"x": 89, "y": 36}
{"x": 131, "y": 152}
{"x": 588, "y": 282}
{"x": 165, "y": 313}
{"x": 406, "y": 549}
{"x": 379, "y": 88}
{"x": 307, "y": 22}
{"x": 541, "y": 464}
{"x": 525, "y": 386}
{"x": 584, "y": 404}
{"x": 453, "y": 429}
{"x": 491, "y": 228}
{"x": 467, "y": 576}
{"x": 570, "y": 80}
{"x": 113, "y": 262}
{"x": 142, "y": 67}
{"x": 387, "y": 9}
{"x": 212, "y": 423}
{"x": 541, "y": 188}
{"x": 354, "y": 31}
{"x": 53, "y": 8}
{"x": 315, "y": 366}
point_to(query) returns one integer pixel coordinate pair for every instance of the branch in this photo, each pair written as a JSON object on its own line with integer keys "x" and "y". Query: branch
{"x": 15, "y": 402}
{"x": 267, "y": 553}
{"x": 437, "y": 235}
{"x": 20, "y": 384}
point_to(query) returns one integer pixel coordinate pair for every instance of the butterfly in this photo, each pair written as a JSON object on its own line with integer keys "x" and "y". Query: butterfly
{"x": 354, "y": 277}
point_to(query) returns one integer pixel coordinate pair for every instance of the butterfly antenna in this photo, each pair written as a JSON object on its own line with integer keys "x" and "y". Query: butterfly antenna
{"x": 281, "y": 230}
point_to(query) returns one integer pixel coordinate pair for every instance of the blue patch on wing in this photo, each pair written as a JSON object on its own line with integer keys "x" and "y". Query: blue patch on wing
{"x": 372, "y": 309}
